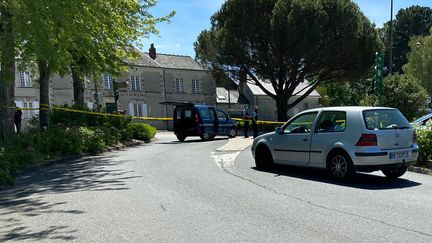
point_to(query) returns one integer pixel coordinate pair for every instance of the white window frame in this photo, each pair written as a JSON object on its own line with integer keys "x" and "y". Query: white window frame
{"x": 196, "y": 86}
{"x": 179, "y": 85}
{"x": 107, "y": 80}
{"x": 25, "y": 79}
{"x": 28, "y": 113}
{"x": 135, "y": 83}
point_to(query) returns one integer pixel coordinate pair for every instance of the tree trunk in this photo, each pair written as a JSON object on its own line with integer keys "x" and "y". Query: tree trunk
{"x": 44, "y": 76}
{"x": 282, "y": 109}
{"x": 78, "y": 87}
{"x": 7, "y": 74}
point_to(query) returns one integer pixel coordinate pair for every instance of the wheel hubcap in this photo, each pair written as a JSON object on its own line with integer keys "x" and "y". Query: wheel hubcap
{"x": 232, "y": 132}
{"x": 339, "y": 166}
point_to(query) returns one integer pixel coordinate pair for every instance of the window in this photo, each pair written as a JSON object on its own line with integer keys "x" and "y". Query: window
{"x": 25, "y": 79}
{"x": 196, "y": 86}
{"x": 331, "y": 121}
{"x": 135, "y": 83}
{"x": 206, "y": 114}
{"x": 301, "y": 124}
{"x": 384, "y": 119}
{"x": 107, "y": 81}
{"x": 138, "y": 109}
{"x": 221, "y": 115}
{"x": 179, "y": 85}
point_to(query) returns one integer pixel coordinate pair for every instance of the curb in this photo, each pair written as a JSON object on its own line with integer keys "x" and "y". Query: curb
{"x": 420, "y": 170}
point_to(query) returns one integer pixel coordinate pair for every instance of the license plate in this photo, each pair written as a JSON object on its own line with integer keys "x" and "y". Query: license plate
{"x": 399, "y": 155}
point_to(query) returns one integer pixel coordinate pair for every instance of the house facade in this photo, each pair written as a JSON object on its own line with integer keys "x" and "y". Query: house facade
{"x": 151, "y": 79}
{"x": 267, "y": 105}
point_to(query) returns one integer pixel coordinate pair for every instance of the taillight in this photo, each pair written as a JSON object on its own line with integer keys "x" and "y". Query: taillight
{"x": 196, "y": 118}
{"x": 414, "y": 137}
{"x": 367, "y": 140}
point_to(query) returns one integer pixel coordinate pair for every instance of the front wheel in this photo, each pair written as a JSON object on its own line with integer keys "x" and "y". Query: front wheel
{"x": 232, "y": 133}
{"x": 340, "y": 166}
{"x": 263, "y": 158}
{"x": 395, "y": 173}
{"x": 206, "y": 137}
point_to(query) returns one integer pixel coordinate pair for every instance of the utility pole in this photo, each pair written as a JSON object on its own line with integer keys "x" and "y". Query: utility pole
{"x": 379, "y": 76}
{"x": 391, "y": 40}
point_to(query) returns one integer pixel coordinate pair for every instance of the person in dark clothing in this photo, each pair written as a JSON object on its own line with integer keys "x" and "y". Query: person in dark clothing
{"x": 246, "y": 118}
{"x": 18, "y": 119}
{"x": 254, "y": 122}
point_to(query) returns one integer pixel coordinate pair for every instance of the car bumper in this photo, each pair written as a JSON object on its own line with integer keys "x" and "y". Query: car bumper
{"x": 379, "y": 159}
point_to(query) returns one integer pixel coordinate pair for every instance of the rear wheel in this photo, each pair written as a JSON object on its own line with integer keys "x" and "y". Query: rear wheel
{"x": 395, "y": 173}
{"x": 232, "y": 133}
{"x": 181, "y": 138}
{"x": 263, "y": 158}
{"x": 205, "y": 137}
{"x": 340, "y": 166}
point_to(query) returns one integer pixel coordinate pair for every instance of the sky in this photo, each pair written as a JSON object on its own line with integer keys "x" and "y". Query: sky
{"x": 193, "y": 16}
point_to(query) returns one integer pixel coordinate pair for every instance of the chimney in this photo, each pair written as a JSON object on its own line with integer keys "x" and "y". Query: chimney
{"x": 152, "y": 52}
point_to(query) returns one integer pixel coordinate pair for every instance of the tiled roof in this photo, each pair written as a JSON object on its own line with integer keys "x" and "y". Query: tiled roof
{"x": 222, "y": 96}
{"x": 168, "y": 61}
{"x": 299, "y": 89}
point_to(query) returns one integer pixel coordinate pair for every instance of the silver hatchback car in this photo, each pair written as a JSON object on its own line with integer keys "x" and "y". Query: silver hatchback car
{"x": 342, "y": 140}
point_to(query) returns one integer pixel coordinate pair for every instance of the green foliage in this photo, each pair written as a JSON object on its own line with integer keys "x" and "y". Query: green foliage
{"x": 140, "y": 131}
{"x": 405, "y": 93}
{"x": 286, "y": 41}
{"x": 420, "y": 61}
{"x": 424, "y": 141}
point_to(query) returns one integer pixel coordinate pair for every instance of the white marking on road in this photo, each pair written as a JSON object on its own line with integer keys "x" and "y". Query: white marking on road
{"x": 225, "y": 160}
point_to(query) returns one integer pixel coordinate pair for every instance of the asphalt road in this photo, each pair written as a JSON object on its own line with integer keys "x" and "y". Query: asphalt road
{"x": 190, "y": 192}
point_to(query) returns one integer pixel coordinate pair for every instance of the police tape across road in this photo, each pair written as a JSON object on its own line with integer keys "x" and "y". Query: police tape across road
{"x": 48, "y": 108}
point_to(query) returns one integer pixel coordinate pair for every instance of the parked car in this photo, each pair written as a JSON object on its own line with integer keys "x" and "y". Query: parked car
{"x": 342, "y": 140}
{"x": 201, "y": 120}
{"x": 422, "y": 121}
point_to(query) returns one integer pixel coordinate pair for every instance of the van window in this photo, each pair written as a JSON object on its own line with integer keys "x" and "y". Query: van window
{"x": 221, "y": 115}
{"x": 384, "y": 119}
{"x": 331, "y": 121}
{"x": 184, "y": 113}
{"x": 206, "y": 113}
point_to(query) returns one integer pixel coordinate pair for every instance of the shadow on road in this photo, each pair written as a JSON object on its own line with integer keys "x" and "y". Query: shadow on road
{"x": 193, "y": 140}
{"x": 26, "y": 199}
{"x": 361, "y": 180}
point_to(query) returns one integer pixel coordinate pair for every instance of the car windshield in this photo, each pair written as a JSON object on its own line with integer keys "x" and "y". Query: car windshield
{"x": 384, "y": 119}
{"x": 422, "y": 118}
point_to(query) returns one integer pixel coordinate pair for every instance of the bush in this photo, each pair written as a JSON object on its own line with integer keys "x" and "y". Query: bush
{"x": 424, "y": 141}
{"x": 140, "y": 131}
{"x": 93, "y": 139}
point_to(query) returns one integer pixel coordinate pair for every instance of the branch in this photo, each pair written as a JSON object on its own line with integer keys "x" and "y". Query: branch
{"x": 258, "y": 83}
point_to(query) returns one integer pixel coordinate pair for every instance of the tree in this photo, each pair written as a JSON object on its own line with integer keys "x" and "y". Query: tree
{"x": 285, "y": 42}
{"x": 420, "y": 61}
{"x": 409, "y": 22}
{"x": 404, "y": 92}
{"x": 346, "y": 93}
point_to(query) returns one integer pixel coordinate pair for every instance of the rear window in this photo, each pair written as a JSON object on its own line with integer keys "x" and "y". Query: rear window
{"x": 384, "y": 119}
{"x": 184, "y": 113}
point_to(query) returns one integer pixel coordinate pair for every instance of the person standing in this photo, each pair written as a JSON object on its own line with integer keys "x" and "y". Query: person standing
{"x": 18, "y": 119}
{"x": 246, "y": 118}
{"x": 255, "y": 122}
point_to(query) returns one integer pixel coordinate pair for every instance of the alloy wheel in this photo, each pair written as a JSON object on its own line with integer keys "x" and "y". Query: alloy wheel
{"x": 339, "y": 166}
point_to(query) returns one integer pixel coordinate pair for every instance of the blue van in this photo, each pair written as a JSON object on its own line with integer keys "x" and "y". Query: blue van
{"x": 201, "y": 120}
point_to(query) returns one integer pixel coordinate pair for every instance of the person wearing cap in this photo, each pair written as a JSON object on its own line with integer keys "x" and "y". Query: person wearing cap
{"x": 254, "y": 122}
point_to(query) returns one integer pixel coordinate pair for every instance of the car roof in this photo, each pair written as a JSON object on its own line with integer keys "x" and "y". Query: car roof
{"x": 349, "y": 108}
{"x": 425, "y": 117}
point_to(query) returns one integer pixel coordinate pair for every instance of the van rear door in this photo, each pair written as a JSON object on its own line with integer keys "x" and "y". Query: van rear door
{"x": 185, "y": 120}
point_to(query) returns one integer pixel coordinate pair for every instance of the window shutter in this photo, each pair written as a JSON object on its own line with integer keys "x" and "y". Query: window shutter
{"x": 36, "y": 105}
{"x": 131, "y": 109}
{"x": 144, "y": 109}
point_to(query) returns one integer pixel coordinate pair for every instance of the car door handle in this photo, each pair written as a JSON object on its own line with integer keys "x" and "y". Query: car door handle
{"x": 305, "y": 139}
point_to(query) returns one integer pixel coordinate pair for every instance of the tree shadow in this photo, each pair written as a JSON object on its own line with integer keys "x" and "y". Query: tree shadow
{"x": 360, "y": 180}
{"x": 27, "y": 198}
{"x": 193, "y": 140}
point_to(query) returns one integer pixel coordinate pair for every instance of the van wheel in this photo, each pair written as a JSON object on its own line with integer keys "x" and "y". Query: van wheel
{"x": 263, "y": 158}
{"x": 205, "y": 137}
{"x": 340, "y": 166}
{"x": 181, "y": 138}
{"x": 395, "y": 173}
{"x": 232, "y": 133}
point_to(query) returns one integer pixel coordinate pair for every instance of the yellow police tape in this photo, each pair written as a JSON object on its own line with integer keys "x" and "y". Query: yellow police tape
{"x": 47, "y": 108}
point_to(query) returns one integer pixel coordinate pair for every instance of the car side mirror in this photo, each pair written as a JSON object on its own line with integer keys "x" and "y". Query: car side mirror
{"x": 278, "y": 130}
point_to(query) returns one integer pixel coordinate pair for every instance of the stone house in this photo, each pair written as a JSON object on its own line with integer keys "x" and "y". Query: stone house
{"x": 151, "y": 79}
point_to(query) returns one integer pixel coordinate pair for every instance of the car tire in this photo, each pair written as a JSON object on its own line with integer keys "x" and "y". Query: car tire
{"x": 206, "y": 137}
{"x": 340, "y": 166}
{"x": 181, "y": 138}
{"x": 232, "y": 133}
{"x": 395, "y": 173}
{"x": 263, "y": 158}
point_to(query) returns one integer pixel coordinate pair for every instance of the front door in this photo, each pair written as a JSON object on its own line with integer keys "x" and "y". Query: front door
{"x": 224, "y": 124}
{"x": 292, "y": 146}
